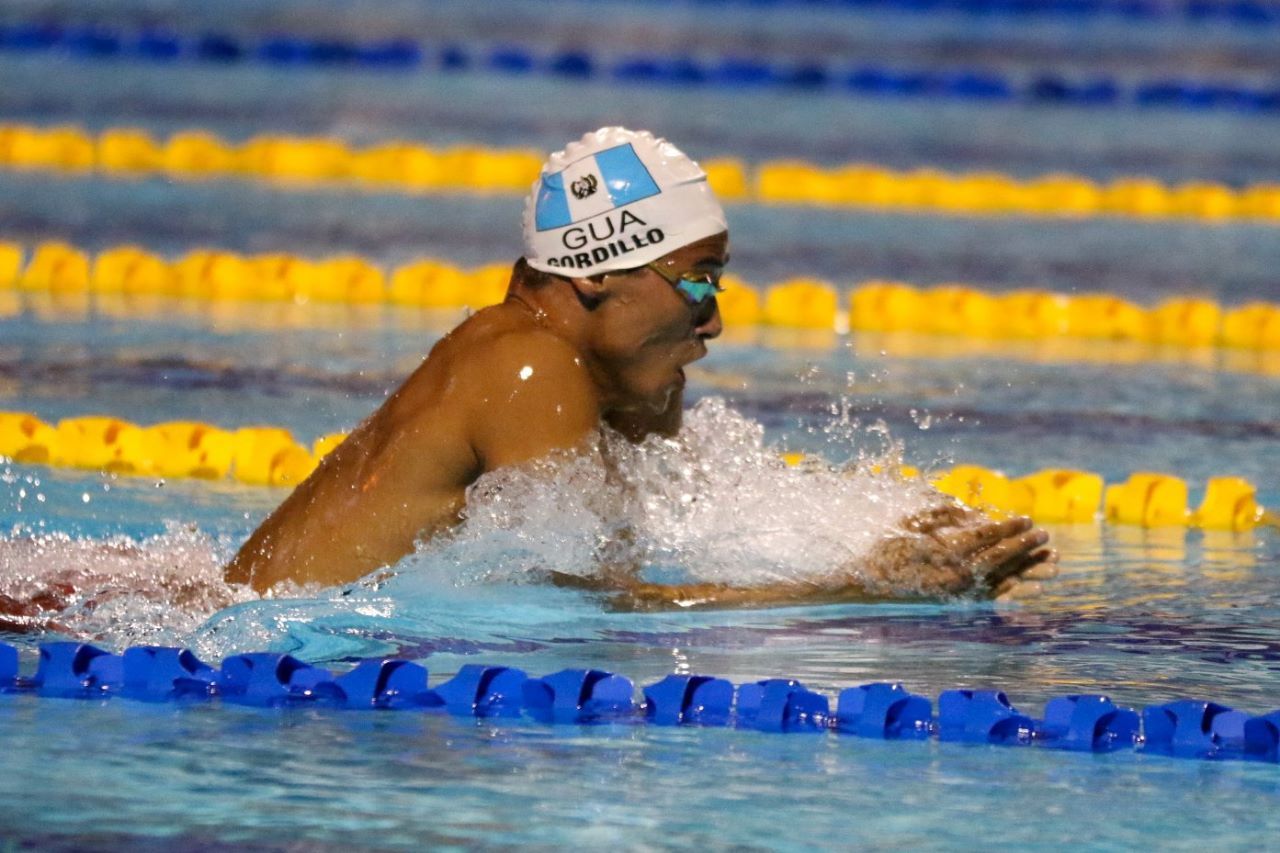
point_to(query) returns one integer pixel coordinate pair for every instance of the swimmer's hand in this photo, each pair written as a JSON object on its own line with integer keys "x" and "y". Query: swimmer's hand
{"x": 954, "y": 550}
{"x": 36, "y": 614}
{"x": 946, "y": 551}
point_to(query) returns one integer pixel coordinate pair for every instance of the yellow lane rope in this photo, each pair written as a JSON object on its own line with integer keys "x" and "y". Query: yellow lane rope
{"x": 265, "y": 455}
{"x": 197, "y": 154}
{"x": 801, "y": 303}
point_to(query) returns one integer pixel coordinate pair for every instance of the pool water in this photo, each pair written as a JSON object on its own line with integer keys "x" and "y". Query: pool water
{"x": 1146, "y": 616}
{"x": 1143, "y": 615}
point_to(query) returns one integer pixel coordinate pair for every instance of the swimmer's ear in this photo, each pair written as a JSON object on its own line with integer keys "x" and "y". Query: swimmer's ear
{"x": 591, "y": 290}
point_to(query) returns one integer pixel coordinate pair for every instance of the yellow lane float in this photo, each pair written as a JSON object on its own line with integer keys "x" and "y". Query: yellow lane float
{"x": 270, "y": 456}
{"x": 957, "y": 310}
{"x": 198, "y": 154}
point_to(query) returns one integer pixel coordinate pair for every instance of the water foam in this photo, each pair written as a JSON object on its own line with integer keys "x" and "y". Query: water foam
{"x": 714, "y": 504}
{"x": 119, "y": 591}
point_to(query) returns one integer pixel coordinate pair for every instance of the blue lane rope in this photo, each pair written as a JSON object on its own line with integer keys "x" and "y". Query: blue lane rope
{"x": 1188, "y": 728}
{"x": 962, "y": 84}
{"x": 1240, "y": 13}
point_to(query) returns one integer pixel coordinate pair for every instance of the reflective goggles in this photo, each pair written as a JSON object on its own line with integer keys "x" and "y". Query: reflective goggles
{"x": 695, "y": 287}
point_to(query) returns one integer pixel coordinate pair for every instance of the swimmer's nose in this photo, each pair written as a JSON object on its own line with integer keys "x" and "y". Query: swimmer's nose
{"x": 708, "y": 325}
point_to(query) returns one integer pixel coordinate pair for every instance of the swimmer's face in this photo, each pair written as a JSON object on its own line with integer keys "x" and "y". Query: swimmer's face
{"x": 647, "y": 329}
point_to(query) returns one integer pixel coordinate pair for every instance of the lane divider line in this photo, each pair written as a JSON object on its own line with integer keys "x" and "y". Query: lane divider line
{"x": 803, "y": 303}
{"x": 1187, "y": 728}
{"x": 1244, "y": 14}
{"x": 271, "y": 456}
{"x": 733, "y": 72}
{"x": 197, "y": 154}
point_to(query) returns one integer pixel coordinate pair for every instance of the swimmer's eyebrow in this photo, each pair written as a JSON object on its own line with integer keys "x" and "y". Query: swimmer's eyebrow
{"x": 712, "y": 261}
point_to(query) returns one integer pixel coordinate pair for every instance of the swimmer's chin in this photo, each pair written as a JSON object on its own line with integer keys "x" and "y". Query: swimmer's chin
{"x": 673, "y": 390}
{"x": 658, "y": 401}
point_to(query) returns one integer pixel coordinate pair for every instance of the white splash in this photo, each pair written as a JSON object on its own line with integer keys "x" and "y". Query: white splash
{"x": 714, "y": 504}
{"x": 117, "y": 591}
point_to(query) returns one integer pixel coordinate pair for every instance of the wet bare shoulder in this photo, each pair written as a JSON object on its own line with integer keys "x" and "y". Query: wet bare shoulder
{"x": 503, "y": 345}
{"x": 526, "y": 391}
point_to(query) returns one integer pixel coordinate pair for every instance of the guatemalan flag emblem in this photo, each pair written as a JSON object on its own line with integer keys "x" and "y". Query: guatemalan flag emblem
{"x": 593, "y": 185}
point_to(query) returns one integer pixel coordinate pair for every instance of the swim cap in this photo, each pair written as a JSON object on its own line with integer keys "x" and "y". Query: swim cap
{"x": 614, "y": 200}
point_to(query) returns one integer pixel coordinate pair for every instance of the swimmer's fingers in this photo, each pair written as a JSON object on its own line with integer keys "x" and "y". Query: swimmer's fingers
{"x": 935, "y": 518}
{"x": 1028, "y": 565}
{"x": 1016, "y": 589}
{"x": 982, "y": 539}
{"x": 1045, "y": 571}
{"x": 572, "y": 581}
{"x": 607, "y": 578}
{"x": 25, "y": 617}
{"x": 1008, "y": 548}
{"x": 1025, "y": 584}
{"x": 10, "y": 606}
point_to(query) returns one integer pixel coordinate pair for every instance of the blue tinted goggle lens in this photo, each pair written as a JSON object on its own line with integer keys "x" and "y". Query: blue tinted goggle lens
{"x": 697, "y": 290}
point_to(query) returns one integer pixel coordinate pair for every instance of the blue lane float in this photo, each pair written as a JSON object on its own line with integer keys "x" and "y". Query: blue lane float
{"x": 1247, "y": 14}
{"x": 689, "y": 700}
{"x": 1187, "y": 728}
{"x": 1194, "y": 728}
{"x": 377, "y": 684}
{"x": 8, "y": 664}
{"x": 982, "y": 716}
{"x": 1239, "y": 14}
{"x": 481, "y": 691}
{"x": 152, "y": 673}
{"x": 781, "y": 705}
{"x": 75, "y": 669}
{"x": 267, "y": 679}
{"x": 1088, "y": 724}
{"x": 976, "y": 85}
{"x": 884, "y": 711}
{"x": 1262, "y": 736}
{"x": 578, "y": 696}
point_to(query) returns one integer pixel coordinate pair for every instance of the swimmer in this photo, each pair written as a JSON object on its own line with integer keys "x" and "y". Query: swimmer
{"x": 624, "y": 246}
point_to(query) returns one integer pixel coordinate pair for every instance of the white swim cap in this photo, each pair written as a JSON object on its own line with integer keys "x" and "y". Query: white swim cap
{"x": 614, "y": 200}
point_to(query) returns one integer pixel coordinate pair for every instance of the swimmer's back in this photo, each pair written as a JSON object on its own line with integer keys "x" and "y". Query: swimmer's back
{"x": 498, "y": 390}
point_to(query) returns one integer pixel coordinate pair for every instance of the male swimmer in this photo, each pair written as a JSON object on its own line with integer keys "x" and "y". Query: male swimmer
{"x": 624, "y": 245}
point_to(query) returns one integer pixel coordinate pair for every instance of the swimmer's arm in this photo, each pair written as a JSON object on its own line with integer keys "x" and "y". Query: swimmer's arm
{"x": 627, "y": 592}
{"x": 392, "y": 482}
{"x": 945, "y": 552}
{"x": 401, "y": 477}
